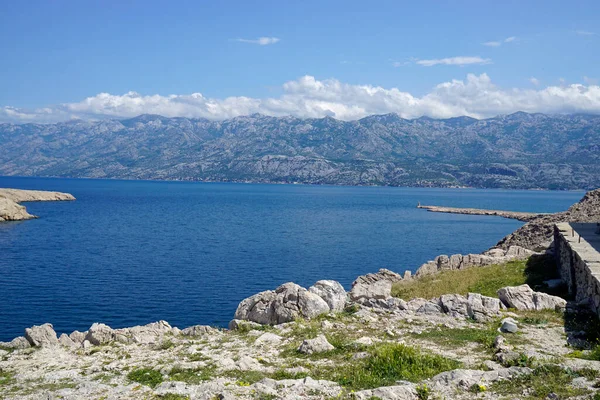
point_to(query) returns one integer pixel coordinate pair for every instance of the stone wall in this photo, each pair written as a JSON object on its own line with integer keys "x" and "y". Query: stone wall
{"x": 576, "y": 250}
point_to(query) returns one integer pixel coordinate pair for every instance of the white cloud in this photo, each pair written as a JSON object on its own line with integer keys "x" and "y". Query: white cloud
{"x": 492, "y": 44}
{"x": 461, "y": 60}
{"x": 585, "y": 33}
{"x": 262, "y": 41}
{"x": 475, "y": 96}
{"x": 534, "y": 81}
{"x": 498, "y": 43}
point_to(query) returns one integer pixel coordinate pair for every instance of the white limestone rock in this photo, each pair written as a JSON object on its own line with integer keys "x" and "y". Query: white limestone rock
{"x": 374, "y": 286}
{"x": 66, "y": 341}
{"x": 11, "y": 211}
{"x": 524, "y": 298}
{"x": 454, "y": 305}
{"x": 288, "y": 302}
{"x": 77, "y": 337}
{"x": 398, "y": 392}
{"x": 144, "y": 334}
{"x": 482, "y": 308}
{"x": 316, "y": 345}
{"x": 41, "y": 335}
{"x": 269, "y": 339}
{"x": 238, "y": 324}
{"x": 509, "y": 325}
{"x": 199, "y": 330}
{"x": 99, "y": 334}
{"x": 332, "y": 292}
{"x": 20, "y": 342}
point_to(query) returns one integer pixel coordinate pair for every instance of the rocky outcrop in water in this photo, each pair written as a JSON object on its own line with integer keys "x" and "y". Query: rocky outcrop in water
{"x": 11, "y": 211}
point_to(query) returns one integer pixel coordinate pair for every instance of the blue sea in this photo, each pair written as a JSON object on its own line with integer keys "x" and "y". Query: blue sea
{"x": 133, "y": 252}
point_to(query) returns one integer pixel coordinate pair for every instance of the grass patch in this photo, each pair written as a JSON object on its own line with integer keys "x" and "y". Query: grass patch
{"x": 386, "y": 364}
{"x": 6, "y": 378}
{"x": 540, "y": 383}
{"x": 485, "y": 280}
{"x": 172, "y": 396}
{"x": 541, "y": 317}
{"x": 166, "y": 345}
{"x": 146, "y": 376}
{"x": 192, "y": 376}
{"x": 458, "y": 337}
{"x": 482, "y": 336}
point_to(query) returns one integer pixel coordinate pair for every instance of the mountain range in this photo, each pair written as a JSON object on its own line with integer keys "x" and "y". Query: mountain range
{"x": 521, "y": 150}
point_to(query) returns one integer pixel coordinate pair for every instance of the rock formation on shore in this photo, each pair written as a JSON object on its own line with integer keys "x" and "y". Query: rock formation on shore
{"x": 10, "y": 210}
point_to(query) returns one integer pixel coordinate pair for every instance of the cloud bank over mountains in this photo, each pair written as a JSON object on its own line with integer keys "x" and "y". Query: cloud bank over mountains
{"x": 476, "y": 96}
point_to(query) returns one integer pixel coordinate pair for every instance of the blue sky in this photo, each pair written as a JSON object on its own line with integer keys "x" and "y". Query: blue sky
{"x": 58, "y": 53}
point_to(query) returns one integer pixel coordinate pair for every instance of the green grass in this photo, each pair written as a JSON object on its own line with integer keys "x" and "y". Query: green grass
{"x": 544, "y": 380}
{"x": 192, "y": 376}
{"x": 172, "y": 396}
{"x": 6, "y": 378}
{"x": 166, "y": 345}
{"x": 485, "y": 280}
{"x": 146, "y": 376}
{"x": 459, "y": 337}
{"x": 386, "y": 364}
{"x": 479, "y": 334}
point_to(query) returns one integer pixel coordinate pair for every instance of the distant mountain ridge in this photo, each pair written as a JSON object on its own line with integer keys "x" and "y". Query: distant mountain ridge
{"x": 520, "y": 150}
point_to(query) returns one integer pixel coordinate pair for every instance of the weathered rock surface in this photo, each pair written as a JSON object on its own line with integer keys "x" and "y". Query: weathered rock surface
{"x": 332, "y": 292}
{"x": 11, "y": 211}
{"x": 524, "y": 298}
{"x": 509, "y": 325}
{"x": 316, "y": 345}
{"x": 19, "y": 195}
{"x": 475, "y": 306}
{"x": 400, "y": 392}
{"x": 41, "y": 335}
{"x": 288, "y": 302}
{"x": 65, "y": 340}
{"x": 464, "y": 378}
{"x": 195, "y": 330}
{"x": 460, "y": 261}
{"x": 241, "y": 324}
{"x": 374, "y": 286}
{"x": 19, "y": 342}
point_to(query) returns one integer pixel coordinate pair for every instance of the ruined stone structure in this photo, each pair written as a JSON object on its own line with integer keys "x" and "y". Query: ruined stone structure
{"x": 577, "y": 250}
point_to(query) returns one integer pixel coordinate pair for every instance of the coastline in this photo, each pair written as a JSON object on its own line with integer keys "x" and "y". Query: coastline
{"x": 10, "y": 199}
{"x": 319, "y": 342}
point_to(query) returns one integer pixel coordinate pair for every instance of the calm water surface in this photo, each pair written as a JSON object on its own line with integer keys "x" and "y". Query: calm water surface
{"x": 133, "y": 252}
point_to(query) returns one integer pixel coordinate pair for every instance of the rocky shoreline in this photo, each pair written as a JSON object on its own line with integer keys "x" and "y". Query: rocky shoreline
{"x": 288, "y": 333}
{"x": 322, "y": 342}
{"x": 11, "y": 210}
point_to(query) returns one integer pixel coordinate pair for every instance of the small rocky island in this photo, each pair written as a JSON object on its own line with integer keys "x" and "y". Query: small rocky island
{"x": 504, "y": 324}
{"x": 11, "y": 210}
